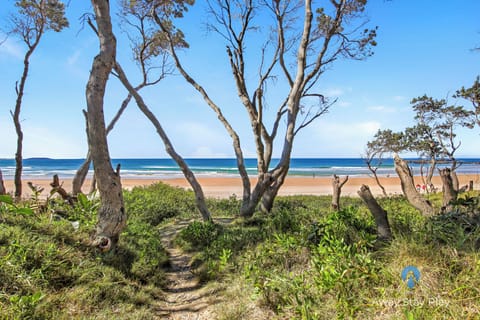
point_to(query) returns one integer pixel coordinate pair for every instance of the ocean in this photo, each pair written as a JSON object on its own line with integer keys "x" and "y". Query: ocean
{"x": 45, "y": 168}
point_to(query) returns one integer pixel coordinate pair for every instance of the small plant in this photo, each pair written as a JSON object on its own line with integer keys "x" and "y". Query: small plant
{"x": 7, "y": 201}
{"x": 24, "y": 306}
{"x": 223, "y": 259}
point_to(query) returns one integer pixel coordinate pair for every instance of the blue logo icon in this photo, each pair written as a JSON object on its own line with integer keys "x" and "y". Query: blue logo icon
{"x": 411, "y": 276}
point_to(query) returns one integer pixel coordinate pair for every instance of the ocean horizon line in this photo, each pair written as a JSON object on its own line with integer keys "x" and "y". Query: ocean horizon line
{"x": 166, "y": 168}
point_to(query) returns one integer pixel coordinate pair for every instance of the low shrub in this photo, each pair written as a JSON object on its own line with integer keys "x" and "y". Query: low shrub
{"x": 198, "y": 235}
{"x": 157, "y": 202}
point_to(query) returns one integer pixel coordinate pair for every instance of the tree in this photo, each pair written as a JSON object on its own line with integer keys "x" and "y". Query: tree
{"x": 434, "y": 135}
{"x": 34, "y": 18}
{"x": 471, "y": 94}
{"x": 146, "y": 47}
{"x": 409, "y": 189}
{"x": 111, "y": 214}
{"x": 337, "y": 185}
{"x": 299, "y": 58}
{"x": 389, "y": 142}
{"x": 373, "y": 158}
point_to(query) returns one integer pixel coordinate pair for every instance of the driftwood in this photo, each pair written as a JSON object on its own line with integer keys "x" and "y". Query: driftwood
{"x": 337, "y": 189}
{"x": 409, "y": 189}
{"x": 449, "y": 192}
{"x": 2, "y": 185}
{"x": 383, "y": 227}
{"x": 57, "y": 188}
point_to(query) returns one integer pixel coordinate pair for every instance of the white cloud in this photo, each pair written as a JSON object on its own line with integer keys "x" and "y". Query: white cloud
{"x": 381, "y": 109}
{"x": 73, "y": 58}
{"x": 328, "y": 139}
{"x": 344, "y": 104}
{"x": 42, "y": 141}
{"x": 207, "y": 152}
{"x": 336, "y": 92}
{"x": 200, "y": 140}
{"x": 11, "y": 48}
{"x": 399, "y": 98}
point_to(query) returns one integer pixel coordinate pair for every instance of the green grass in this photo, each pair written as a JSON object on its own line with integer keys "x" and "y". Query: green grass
{"x": 302, "y": 261}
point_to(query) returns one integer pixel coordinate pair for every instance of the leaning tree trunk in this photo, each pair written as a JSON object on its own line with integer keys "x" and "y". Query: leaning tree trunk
{"x": 381, "y": 219}
{"x": 80, "y": 175}
{"x": 449, "y": 192}
{"x": 337, "y": 185}
{"x": 16, "y": 120}
{"x": 3, "y": 191}
{"x": 197, "y": 188}
{"x": 111, "y": 215}
{"x": 408, "y": 187}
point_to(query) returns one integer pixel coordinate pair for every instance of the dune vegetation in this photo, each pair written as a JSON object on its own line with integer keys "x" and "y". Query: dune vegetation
{"x": 301, "y": 261}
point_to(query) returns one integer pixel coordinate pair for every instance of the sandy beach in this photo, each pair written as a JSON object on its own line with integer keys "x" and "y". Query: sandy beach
{"x": 223, "y": 187}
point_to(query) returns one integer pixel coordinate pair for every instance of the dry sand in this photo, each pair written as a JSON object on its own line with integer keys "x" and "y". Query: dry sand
{"x": 223, "y": 187}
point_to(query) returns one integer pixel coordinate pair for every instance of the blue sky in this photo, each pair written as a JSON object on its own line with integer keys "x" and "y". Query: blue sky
{"x": 424, "y": 47}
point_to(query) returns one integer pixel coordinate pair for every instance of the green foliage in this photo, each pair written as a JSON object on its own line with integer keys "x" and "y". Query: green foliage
{"x": 302, "y": 261}
{"x": 224, "y": 207}
{"x": 404, "y": 219}
{"x": 155, "y": 203}
{"x": 7, "y": 204}
{"x": 49, "y": 271}
{"x": 25, "y": 305}
{"x": 141, "y": 243}
{"x": 198, "y": 235}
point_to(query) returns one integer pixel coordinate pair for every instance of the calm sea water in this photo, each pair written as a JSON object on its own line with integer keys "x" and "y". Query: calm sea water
{"x": 166, "y": 168}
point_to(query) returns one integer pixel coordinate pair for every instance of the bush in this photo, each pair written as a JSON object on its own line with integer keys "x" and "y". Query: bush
{"x": 140, "y": 254}
{"x": 198, "y": 235}
{"x": 157, "y": 202}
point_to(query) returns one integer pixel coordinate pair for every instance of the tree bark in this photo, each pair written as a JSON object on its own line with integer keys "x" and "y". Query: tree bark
{"x": 449, "y": 192}
{"x": 111, "y": 215}
{"x": 408, "y": 187}
{"x": 3, "y": 191}
{"x": 270, "y": 194}
{"x": 56, "y": 187}
{"x": 379, "y": 214}
{"x": 20, "y": 88}
{"x": 455, "y": 182}
{"x": 197, "y": 188}
{"x": 81, "y": 175}
{"x": 337, "y": 185}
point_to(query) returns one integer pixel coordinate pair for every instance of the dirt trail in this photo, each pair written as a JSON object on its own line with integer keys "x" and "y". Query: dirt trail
{"x": 186, "y": 297}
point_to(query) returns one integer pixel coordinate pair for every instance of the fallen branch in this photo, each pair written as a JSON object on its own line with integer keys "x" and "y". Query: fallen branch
{"x": 57, "y": 188}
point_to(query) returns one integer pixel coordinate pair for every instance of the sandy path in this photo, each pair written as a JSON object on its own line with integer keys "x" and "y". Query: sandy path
{"x": 186, "y": 297}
